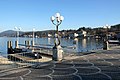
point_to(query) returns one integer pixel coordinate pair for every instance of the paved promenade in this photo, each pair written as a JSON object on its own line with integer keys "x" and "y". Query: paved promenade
{"x": 101, "y": 65}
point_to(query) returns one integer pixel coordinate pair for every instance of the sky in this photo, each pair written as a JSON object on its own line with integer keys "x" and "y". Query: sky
{"x": 29, "y": 14}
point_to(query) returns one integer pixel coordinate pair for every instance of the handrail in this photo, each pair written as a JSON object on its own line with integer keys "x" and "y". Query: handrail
{"x": 34, "y": 46}
{"x": 39, "y": 46}
{"x": 53, "y": 45}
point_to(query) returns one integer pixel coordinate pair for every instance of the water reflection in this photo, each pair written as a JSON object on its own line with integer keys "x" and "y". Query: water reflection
{"x": 48, "y": 40}
{"x": 76, "y": 44}
{"x": 84, "y": 42}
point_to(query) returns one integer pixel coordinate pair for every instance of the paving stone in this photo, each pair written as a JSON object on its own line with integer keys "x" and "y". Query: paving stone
{"x": 68, "y": 71}
{"x": 98, "y": 76}
{"x": 70, "y": 77}
{"x": 87, "y": 71}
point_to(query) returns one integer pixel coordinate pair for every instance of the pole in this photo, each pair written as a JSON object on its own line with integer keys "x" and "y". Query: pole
{"x": 57, "y": 30}
{"x": 33, "y": 37}
{"x": 33, "y": 41}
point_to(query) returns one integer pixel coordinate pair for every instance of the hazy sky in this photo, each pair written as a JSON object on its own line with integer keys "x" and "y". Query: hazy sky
{"x": 29, "y": 14}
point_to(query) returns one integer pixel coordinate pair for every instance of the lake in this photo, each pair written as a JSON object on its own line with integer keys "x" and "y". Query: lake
{"x": 82, "y": 45}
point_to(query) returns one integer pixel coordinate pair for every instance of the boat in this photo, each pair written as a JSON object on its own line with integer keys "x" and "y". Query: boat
{"x": 113, "y": 41}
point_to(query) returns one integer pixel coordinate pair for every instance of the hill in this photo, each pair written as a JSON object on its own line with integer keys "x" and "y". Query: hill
{"x": 10, "y": 33}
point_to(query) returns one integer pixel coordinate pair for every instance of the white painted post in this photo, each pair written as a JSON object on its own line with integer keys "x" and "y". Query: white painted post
{"x": 16, "y": 44}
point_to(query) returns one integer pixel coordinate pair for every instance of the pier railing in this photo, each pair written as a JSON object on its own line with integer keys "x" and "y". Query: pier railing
{"x": 29, "y": 55}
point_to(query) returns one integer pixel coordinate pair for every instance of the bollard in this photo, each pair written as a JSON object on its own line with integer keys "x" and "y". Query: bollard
{"x": 32, "y": 43}
{"x": 105, "y": 45}
{"x": 9, "y": 47}
{"x": 57, "y": 53}
{"x": 27, "y": 44}
{"x": 9, "y": 44}
{"x": 16, "y": 44}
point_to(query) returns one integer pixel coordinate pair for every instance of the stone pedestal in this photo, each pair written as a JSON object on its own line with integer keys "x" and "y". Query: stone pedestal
{"x": 105, "y": 45}
{"x": 57, "y": 53}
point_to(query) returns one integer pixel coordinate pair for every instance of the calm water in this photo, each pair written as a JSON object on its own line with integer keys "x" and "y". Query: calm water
{"x": 82, "y": 45}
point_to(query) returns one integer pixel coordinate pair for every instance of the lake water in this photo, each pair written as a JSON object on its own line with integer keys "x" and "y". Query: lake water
{"x": 82, "y": 45}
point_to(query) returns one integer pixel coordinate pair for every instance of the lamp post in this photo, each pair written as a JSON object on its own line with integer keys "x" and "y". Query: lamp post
{"x": 107, "y": 27}
{"x": 17, "y": 36}
{"x": 105, "y": 42}
{"x": 57, "y": 49}
{"x": 33, "y": 42}
{"x": 33, "y": 36}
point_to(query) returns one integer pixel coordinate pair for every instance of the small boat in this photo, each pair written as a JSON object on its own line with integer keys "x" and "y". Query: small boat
{"x": 113, "y": 41}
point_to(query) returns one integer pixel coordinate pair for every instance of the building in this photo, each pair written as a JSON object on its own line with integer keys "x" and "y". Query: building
{"x": 82, "y": 33}
{"x": 115, "y": 27}
{"x": 49, "y": 35}
{"x": 71, "y": 35}
{"x": 75, "y": 35}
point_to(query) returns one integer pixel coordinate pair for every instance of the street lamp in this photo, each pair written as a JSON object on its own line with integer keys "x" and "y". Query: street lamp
{"x": 107, "y": 27}
{"x": 105, "y": 42}
{"x": 17, "y": 35}
{"x": 57, "y": 49}
{"x": 33, "y": 42}
{"x": 17, "y": 32}
{"x": 33, "y": 36}
{"x": 57, "y": 20}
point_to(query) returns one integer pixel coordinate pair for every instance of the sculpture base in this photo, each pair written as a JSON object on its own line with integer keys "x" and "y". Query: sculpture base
{"x": 105, "y": 45}
{"x": 57, "y": 53}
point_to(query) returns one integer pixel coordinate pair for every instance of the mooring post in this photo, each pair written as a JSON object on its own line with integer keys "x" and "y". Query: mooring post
{"x": 105, "y": 45}
{"x": 32, "y": 43}
{"x": 9, "y": 47}
{"x": 9, "y": 44}
{"x": 27, "y": 44}
{"x": 16, "y": 44}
